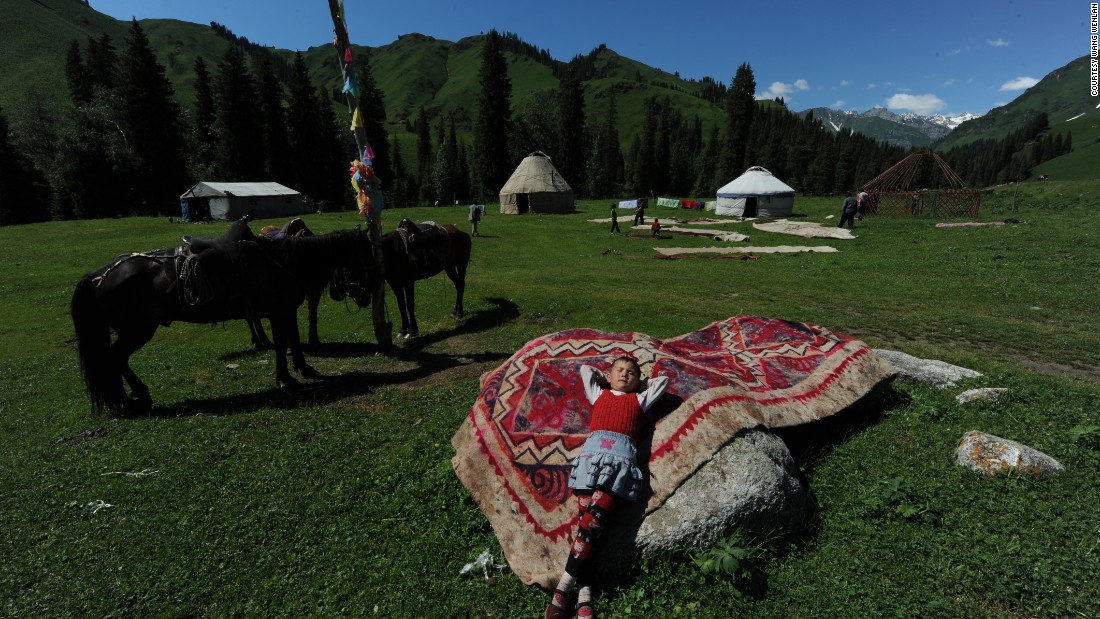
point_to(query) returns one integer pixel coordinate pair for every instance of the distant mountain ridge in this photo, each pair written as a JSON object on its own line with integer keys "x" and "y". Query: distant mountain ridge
{"x": 905, "y": 130}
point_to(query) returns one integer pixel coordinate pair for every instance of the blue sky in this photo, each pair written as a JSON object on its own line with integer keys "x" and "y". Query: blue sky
{"x": 928, "y": 57}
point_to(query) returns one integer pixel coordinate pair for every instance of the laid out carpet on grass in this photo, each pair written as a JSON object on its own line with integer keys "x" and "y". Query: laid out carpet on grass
{"x": 778, "y": 249}
{"x": 806, "y": 229}
{"x": 513, "y": 452}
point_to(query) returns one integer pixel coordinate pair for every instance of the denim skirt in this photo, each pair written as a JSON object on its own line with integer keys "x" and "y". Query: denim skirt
{"x": 607, "y": 461}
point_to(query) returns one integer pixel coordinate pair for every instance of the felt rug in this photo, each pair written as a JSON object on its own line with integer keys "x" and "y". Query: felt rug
{"x": 778, "y": 249}
{"x": 968, "y": 224}
{"x": 513, "y": 451}
{"x": 805, "y": 229}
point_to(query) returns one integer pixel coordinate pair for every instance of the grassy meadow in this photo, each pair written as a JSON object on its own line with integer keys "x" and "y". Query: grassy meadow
{"x": 233, "y": 498}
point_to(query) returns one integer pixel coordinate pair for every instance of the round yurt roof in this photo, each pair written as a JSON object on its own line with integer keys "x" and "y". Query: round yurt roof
{"x": 536, "y": 174}
{"x": 756, "y": 181}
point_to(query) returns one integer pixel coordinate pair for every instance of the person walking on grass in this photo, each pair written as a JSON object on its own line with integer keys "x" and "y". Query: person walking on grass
{"x": 475, "y": 216}
{"x": 656, "y": 228}
{"x": 614, "y": 219}
{"x": 848, "y": 212}
{"x": 606, "y": 471}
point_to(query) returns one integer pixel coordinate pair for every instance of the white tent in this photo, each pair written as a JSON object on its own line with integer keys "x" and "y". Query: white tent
{"x": 756, "y": 193}
{"x": 231, "y": 201}
{"x": 536, "y": 187}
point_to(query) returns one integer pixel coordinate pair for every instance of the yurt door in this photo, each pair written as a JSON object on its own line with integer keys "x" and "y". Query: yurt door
{"x": 750, "y": 207}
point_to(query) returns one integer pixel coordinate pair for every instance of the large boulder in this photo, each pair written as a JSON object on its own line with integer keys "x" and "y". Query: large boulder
{"x": 751, "y": 484}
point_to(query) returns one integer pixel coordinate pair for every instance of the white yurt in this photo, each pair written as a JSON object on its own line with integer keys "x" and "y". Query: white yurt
{"x": 756, "y": 193}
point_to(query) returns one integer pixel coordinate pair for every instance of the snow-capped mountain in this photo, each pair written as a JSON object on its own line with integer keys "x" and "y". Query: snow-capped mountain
{"x": 906, "y": 130}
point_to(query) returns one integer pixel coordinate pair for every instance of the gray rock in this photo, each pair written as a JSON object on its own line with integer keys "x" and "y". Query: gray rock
{"x": 752, "y": 483}
{"x": 930, "y": 371}
{"x": 993, "y": 455}
{"x": 991, "y": 394}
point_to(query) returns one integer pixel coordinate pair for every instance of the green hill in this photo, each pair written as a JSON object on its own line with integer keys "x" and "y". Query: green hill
{"x": 418, "y": 72}
{"x": 1062, "y": 95}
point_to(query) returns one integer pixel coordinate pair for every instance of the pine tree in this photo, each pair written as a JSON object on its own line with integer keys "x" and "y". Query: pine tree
{"x": 706, "y": 164}
{"x": 239, "y": 152}
{"x": 273, "y": 124}
{"x": 423, "y": 156}
{"x": 445, "y": 169}
{"x": 203, "y": 136}
{"x": 606, "y": 165}
{"x": 150, "y": 118}
{"x": 101, "y": 62}
{"x": 335, "y": 151}
{"x": 24, "y": 191}
{"x": 372, "y": 103}
{"x": 494, "y": 119}
{"x": 569, "y": 158}
{"x": 304, "y": 130}
{"x": 76, "y": 75}
{"x": 740, "y": 105}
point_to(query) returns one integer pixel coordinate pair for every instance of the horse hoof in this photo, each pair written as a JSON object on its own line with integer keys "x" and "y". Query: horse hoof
{"x": 402, "y": 334}
{"x": 289, "y": 383}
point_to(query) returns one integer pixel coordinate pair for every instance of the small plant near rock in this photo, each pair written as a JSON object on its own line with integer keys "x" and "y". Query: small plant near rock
{"x": 732, "y": 559}
{"x": 895, "y": 497}
{"x": 1086, "y": 436}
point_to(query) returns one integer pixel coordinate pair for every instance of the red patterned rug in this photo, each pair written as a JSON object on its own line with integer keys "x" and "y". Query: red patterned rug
{"x": 515, "y": 448}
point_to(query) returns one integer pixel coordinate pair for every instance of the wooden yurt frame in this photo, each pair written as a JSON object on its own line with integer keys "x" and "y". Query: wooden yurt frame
{"x": 895, "y": 192}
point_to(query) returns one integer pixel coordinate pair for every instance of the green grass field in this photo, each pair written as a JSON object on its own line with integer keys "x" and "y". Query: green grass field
{"x": 234, "y": 498}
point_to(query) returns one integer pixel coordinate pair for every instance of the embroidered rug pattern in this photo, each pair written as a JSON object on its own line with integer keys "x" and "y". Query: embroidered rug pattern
{"x": 515, "y": 449}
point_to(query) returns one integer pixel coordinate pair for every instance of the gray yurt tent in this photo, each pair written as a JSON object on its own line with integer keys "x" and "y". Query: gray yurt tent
{"x": 756, "y": 193}
{"x": 536, "y": 187}
{"x": 231, "y": 201}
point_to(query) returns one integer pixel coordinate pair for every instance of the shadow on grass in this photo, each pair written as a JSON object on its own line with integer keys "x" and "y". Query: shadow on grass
{"x": 329, "y": 389}
{"x": 810, "y": 443}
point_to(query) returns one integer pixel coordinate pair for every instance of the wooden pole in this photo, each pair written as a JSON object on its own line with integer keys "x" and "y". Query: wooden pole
{"x": 383, "y": 328}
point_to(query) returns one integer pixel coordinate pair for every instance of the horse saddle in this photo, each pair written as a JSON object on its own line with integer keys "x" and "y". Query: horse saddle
{"x": 427, "y": 244}
{"x": 294, "y": 227}
{"x": 209, "y": 269}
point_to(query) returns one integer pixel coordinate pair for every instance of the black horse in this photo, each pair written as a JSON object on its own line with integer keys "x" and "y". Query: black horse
{"x": 314, "y": 288}
{"x": 415, "y": 252}
{"x": 219, "y": 280}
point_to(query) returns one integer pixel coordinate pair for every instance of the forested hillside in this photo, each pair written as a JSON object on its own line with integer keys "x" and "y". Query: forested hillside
{"x": 117, "y": 118}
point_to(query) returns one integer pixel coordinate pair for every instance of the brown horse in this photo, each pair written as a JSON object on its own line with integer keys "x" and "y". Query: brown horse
{"x": 223, "y": 279}
{"x": 415, "y": 252}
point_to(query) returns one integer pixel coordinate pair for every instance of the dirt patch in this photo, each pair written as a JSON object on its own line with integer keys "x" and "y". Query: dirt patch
{"x": 895, "y": 341}
{"x": 1088, "y": 374}
{"x": 464, "y": 371}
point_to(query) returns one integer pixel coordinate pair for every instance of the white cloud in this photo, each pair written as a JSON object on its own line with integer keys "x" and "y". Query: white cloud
{"x": 871, "y": 86}
{"x": 954, "y": 52}
{"x": 780, "y": 89}
{"x": 949, "y": 82}
{"x": 1020, "y": 83}
{"x": 920, "y": 104}
{"x": 998, "y": 43}
{"x": 837, "y": 104}
{"x": 845, "y": 82}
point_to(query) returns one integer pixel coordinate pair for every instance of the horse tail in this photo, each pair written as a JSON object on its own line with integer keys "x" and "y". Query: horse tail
{"x": 93, "y": 341}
